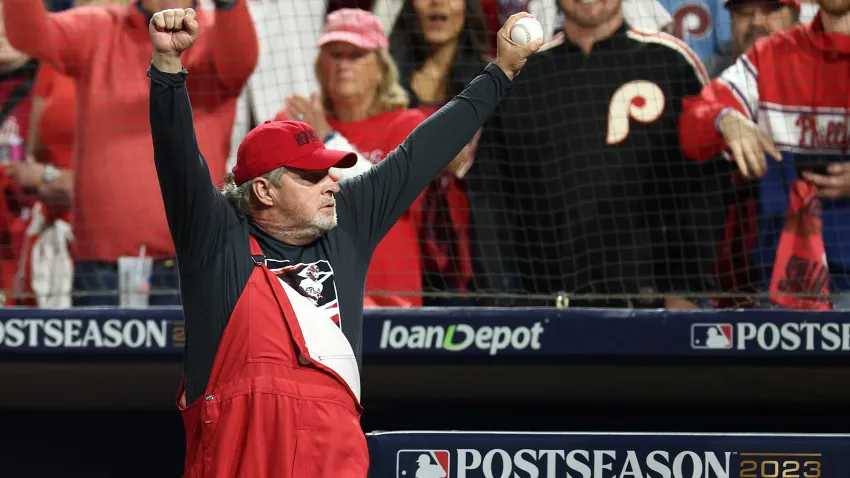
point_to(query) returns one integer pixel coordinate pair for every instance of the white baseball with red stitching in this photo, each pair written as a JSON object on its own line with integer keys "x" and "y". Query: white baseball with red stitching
{"x": 526, "y": 30}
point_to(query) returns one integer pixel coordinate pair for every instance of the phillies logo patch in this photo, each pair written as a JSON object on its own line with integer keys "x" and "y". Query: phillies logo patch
{"x": 639, "y": 100}
{"x": 315, "y": 282}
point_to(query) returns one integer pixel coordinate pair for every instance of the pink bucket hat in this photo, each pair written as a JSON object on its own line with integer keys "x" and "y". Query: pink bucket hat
{"x": 357, "y": 27}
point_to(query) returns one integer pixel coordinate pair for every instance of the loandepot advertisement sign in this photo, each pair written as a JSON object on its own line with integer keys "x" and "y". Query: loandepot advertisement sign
{"x": 459, "y": 337}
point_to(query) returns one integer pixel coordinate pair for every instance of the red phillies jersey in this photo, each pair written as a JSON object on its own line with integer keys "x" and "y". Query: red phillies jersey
{"x": 796, "y": 86}
{"x": 396, "y": 263}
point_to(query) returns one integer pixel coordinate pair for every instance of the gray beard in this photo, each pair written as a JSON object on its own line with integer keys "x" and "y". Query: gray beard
{"x": 324, "y": 225}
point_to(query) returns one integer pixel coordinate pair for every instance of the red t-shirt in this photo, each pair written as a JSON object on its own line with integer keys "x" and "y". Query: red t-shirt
{"x": 396, "y": 264}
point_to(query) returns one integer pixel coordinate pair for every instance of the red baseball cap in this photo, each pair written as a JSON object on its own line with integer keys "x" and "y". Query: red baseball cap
{"x": 285, "y": 143}
{"x": 357, "y": 27}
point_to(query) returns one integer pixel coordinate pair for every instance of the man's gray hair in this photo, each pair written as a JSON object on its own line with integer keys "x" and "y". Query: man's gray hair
{"x": 240, "y": 196}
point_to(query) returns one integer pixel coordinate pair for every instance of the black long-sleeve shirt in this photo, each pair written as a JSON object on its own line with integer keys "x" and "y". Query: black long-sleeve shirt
{"x": 212, "y": 239}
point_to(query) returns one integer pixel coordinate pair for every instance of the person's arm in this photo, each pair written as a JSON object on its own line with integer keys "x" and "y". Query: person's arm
{"x": 59, "y": 191}
{"x": 197, "y": 212}
{"x": 378, "y": 198}
{"x": 33, "y": 141}
{"x": 55, "y": 189}
{"x": 65, "y": 40}
{"x": 735, "y": 89}
{"x": 232, "y": 51}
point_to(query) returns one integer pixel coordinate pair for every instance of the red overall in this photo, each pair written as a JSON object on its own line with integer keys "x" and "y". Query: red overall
{"x": 264, "y": 413}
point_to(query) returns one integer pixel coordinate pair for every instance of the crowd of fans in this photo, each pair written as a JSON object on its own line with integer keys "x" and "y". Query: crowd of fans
{"x": 496, "y": 227}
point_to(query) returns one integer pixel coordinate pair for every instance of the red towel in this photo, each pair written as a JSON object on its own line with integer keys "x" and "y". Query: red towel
{"x": 800, "y": 267}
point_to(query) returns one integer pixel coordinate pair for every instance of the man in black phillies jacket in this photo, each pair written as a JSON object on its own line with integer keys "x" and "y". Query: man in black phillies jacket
{"x": 580, "y": 188}
{"x": 302, "y": 244}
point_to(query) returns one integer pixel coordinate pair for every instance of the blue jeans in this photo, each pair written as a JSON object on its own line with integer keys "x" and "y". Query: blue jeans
{"x": 96, "y": 284}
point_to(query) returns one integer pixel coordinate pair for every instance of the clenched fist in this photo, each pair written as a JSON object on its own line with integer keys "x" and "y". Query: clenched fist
{"x": 173, "y": 31}
{"x": 511, "y": 57}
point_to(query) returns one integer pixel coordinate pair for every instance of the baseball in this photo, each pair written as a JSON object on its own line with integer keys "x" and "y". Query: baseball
{"x": 526, "y": 30}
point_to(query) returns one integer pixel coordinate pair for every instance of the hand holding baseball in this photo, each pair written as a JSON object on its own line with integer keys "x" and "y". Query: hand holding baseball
{"x": 511, "y": 56}
{"x": 526, "y": 30}
{"x": 173, "y": 31}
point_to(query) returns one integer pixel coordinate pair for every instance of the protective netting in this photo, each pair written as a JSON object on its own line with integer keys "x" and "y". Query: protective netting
{"x": 576, "y": 192}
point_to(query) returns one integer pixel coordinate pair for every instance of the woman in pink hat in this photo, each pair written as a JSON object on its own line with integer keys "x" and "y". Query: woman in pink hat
{"x": 363, "y": 108}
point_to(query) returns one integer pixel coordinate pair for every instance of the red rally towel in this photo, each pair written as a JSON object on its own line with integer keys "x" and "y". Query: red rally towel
{"x": 800, "y": 267}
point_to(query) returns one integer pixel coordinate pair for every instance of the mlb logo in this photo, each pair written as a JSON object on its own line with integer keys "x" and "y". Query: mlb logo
{"x": 711, "y": 336}
{"x": 423, "y": 464}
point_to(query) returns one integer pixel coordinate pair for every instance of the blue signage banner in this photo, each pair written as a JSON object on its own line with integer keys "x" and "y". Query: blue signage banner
{"x": 606, "y": 455}
{"x": 159, "y": 331}
{"x": 434, "y": 333}
{"x": 588, "y": 332}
